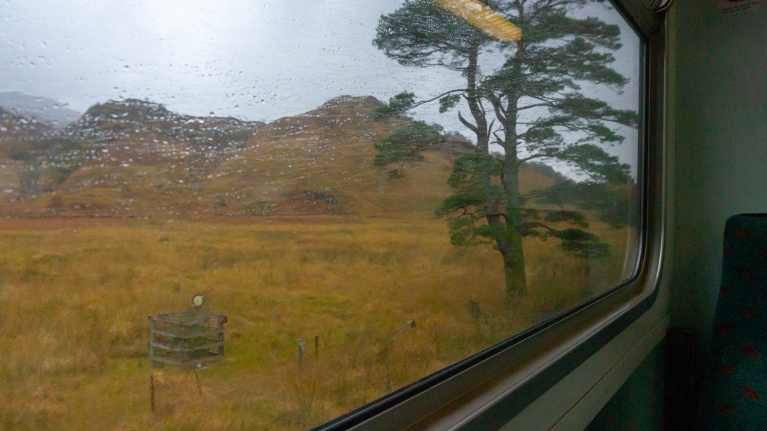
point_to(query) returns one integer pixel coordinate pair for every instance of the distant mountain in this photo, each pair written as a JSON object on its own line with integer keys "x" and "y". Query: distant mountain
{"x": 136, "y": 158}
{"x": 121, "y": 119}
{"x": 41, "y": 108}
{"x": 19, "y": 127}
{"x": 21, "y": 141}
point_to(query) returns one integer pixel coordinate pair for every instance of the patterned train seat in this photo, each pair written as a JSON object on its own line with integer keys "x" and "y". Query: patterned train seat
{"x": 738, "y": 386}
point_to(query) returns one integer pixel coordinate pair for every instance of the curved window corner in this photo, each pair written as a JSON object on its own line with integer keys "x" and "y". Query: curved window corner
{"x": 421, "y": 213}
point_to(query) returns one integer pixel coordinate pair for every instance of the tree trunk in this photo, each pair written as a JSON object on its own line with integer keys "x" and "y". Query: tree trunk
{"x": 473, "y": 99}
{"x": 514, "y": 270}
{"x": 511, "y": 245}
{"x": 508, "y": 240}
{"x": 513, "y": 259}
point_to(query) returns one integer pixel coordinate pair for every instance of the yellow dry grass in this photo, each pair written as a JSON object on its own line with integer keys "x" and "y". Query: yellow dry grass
{"x": 74, "y": 301}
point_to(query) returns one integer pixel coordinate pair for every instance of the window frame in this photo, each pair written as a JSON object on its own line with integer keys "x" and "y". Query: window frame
{"x": 558, "y": 345}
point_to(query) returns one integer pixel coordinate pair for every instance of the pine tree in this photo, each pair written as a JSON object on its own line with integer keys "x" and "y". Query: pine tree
{"x": 541, "y": 77}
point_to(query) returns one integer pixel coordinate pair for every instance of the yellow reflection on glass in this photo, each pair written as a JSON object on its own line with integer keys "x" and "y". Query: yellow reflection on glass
{"x": 483, "y": 17}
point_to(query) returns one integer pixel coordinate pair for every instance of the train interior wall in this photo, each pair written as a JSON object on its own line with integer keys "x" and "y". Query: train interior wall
{"x": 717, "y": 117}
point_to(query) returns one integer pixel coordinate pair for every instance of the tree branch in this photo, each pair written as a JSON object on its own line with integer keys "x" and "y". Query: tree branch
{"x": 467, "y": 124}
{"x": 481, "y": 106}
{"x": 499, "y": 112}
{"x": 535, "y": 105}
{"x": 497, "y": 137}
{"x": 490, "y": 127}
{"x": 537, "y": 224}
{"x": 435, "y": 98}
{"x": 548, "y": 5}
{"x": 537, "y": 156}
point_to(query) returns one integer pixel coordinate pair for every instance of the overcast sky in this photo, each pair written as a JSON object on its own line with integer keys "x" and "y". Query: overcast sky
{"x": 252, "y": 59}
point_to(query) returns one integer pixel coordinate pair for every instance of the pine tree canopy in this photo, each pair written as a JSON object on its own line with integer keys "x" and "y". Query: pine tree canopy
{"x": 531, "y": 105}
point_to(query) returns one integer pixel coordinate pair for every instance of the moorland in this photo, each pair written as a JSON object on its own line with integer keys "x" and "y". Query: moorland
{"x": 286, "y": 228}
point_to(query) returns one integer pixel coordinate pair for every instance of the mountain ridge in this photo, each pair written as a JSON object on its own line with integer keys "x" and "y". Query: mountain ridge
{"x": 137, "y": 158}
{"x": 42, "y": 109}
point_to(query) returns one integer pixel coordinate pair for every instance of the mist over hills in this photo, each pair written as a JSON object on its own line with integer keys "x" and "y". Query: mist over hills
{"x": 136, "y": 158}
{"x": 42, "y": 109}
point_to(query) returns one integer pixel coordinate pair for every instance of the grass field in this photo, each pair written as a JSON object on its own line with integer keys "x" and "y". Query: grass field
{"x": 75, "y": 296}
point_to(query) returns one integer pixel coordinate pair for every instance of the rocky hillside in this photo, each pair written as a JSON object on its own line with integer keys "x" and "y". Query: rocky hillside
{"x": 16, "y": 127}
{"x": 321, "y": 162}
{"x": 22, "y": 140}
{"x": 138, "y": 159}
{"x": 125, "y": 119}
{"x": 42, "y": 109}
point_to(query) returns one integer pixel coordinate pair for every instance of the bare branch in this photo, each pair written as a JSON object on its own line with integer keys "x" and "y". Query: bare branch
{"x": 490, "y": 127}
{"x": 499, "y": 112}
{"x": 467, "y": 124}
{"x": 537, "y": 156}
{"x": 535, "y": 105}
{"x": 544, "y": 98}
{"x": 438, "y": 97}
{"x": 497, "y": 137}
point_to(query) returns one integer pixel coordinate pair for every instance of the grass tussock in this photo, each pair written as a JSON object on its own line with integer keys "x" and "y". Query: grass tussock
{"x": 74, "y": 302}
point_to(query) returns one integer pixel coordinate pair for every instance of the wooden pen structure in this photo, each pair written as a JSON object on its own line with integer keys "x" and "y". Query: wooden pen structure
{"x": 188, "y": 339}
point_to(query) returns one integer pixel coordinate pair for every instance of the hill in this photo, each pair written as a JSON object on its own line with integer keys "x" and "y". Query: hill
{"x": 124, "y": 119}
{"x": 42, "y": 109}
{"x": 21, "y": 141}
{"x": 321, "y": 162}
{"x": 138, "y": 159}
{"x": 18, "y": 128}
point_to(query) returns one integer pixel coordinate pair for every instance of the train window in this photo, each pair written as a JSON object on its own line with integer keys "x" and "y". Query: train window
{"x": 368, "y": 194}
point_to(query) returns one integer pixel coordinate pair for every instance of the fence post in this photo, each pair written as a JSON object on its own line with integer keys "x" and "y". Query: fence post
{"x": 475, "y": 310}
{"x": 317, "y": 346}
{"x": 301, "y": 351}
{"x": 197, "y": 378}
{"x": 152, "y": 362}
{"x": 151, "y": 390}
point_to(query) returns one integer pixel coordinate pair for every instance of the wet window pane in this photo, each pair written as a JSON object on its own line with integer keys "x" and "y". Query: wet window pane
{"x": 367, "y": 193}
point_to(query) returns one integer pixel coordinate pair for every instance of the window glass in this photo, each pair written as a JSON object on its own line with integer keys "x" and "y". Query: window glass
{"x": 367, "y": 192}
